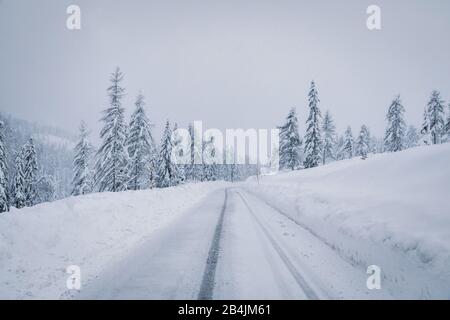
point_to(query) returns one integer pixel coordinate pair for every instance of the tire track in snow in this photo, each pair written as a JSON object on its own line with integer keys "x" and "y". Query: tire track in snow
{"x": 340, "y": 252}
{"x": 309, "y": 292}
{"x": 207, "y": 285}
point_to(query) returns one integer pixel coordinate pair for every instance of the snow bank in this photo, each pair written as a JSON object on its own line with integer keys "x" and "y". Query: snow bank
{"x": 38, "y": 244}
{"x": 391, "y": 210}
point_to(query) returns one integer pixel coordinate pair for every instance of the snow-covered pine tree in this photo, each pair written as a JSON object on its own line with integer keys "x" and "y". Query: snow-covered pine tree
{"x": 165, "y": 169}
{"x": 329, "y": 138}
{"x": 378, "y": 145}
{"x": 4, "y": 196}
{"x": 179, "y": 174}
{"x": 435, "y": 110}
{"x": 192, "y": 171}
{"x": 190, "y": 168}
{"x": 425, "y": 128}
{"x": 46, "y": 187}
{"x": 412, "y": 137}
{"x": 348, "y": 147}
{"x": 82, "y": 175}
{"x": 19, "y": 181}
{"x": 395, "y": 132}
{"x": 362, "y": 142}
{"x": 209, "y": 167}
{"x": 313, "y": 141}
{"x": 290, "y": 143}
{"x": 140, "y": 147}
{"x": 209, "y": 172}
{"x": 339, "y": 148}
{"x": 30, "y": 173}
{"x": 112, "y": 157}
{"x": 234, "y": 172}
{"x": 447, "y": 125}
{"x": 153, "y": 168}
{"x": 369, "y": 140}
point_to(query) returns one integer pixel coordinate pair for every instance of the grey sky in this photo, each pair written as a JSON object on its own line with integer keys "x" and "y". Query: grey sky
{"x": 229, "y": 63}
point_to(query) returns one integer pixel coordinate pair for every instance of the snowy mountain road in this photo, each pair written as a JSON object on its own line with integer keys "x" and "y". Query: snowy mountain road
{"x": 233, "y": 246}
{"x": 207, "y": 286}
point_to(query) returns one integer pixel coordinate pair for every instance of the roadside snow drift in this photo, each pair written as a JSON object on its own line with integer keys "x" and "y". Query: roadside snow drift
{"x": 391, "y": 210}
{"x": 94, "y": 231}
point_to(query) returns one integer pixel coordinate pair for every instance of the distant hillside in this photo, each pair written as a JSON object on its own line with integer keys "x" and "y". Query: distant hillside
{"x": 55, "y": 152}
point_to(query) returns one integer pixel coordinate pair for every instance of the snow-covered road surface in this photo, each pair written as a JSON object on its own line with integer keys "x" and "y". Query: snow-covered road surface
{"x": 232, "y": 246}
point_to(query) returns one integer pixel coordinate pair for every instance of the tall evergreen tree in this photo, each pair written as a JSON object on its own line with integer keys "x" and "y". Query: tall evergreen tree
{"x": 348, "y": 148}
{"x": 19, "y": 181}
{"x": 153, "y": 168}
{"x": 179, "y": 173}
{"x": 112, "y": 158}
{"x": 166, "y": 169}
{"x": 30, "y": 172}
{"x": 362, "y": 142}
{"x": 377, "y": 145}
{"x": 395, "y": 132}
{"x": 425, "y": 128}
{"x": 290, "y": 143}
{"x": 435, "y": 110}
{"x": 210, "y": 167}
{"x": 193, "y": 171}
{"x": 82, "y": 175}
{"x": 329, "y": 138}
{"x": 234, "y": 172}
{"x": 140, "y": 147}
{"x": 4, "y": 195}
{"x": 339, "y": 148}
{"x": 447, "y": 125}
{"x": 190, "y": 168}
{"x": 313, "y": 141}
{"x": 412, "y": 137}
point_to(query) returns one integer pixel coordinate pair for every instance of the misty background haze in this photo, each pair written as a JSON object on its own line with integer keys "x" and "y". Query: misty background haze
{"x": 232, "y": 64}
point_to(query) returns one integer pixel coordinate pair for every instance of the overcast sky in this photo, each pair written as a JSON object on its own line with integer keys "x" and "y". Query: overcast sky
{"x": 230, "y": 63}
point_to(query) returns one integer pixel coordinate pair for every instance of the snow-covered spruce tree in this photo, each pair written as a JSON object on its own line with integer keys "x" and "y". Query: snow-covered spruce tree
{"x": 82, "y": 175}
{"x": 190, "y": 168}
{"x": 165, "y": 167}
{"x": 30, "y": 172}
{"x": 348, "y": 147}
{"x": 192, "y": 171}
{"x": 313, "y": 141}
{"x": 435, "y": 110}
{"x": 19, "y": 181}
{"x": 140, "y": 147}
{"x": 234, "y": 172}
{"x": 425, "y": 128}
{"x": 447, "y": 125}
{"x": 290, "y": 143}
{"x": 47, "y": 189}
{"x": 153, "y": 168}
{"x": 112, "y": 157}
{"x": 4, "y": 196}
{"x": 339, "y": 148}
{"x": 210, "y": 172}
{"x": 377, "y": 145}
{"x": 329, "y": 138}
{"x": 395, "y": 132}
{"x": 179, "y": 173}
{"x": 362, "y": 142}
{"x": 412, "y": 137}
{"x": 210, "y": 169}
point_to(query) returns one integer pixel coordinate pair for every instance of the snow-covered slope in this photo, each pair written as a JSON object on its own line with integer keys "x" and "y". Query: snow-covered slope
{"x": 391, "y": 210}
{"x": 38, "y": 244}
